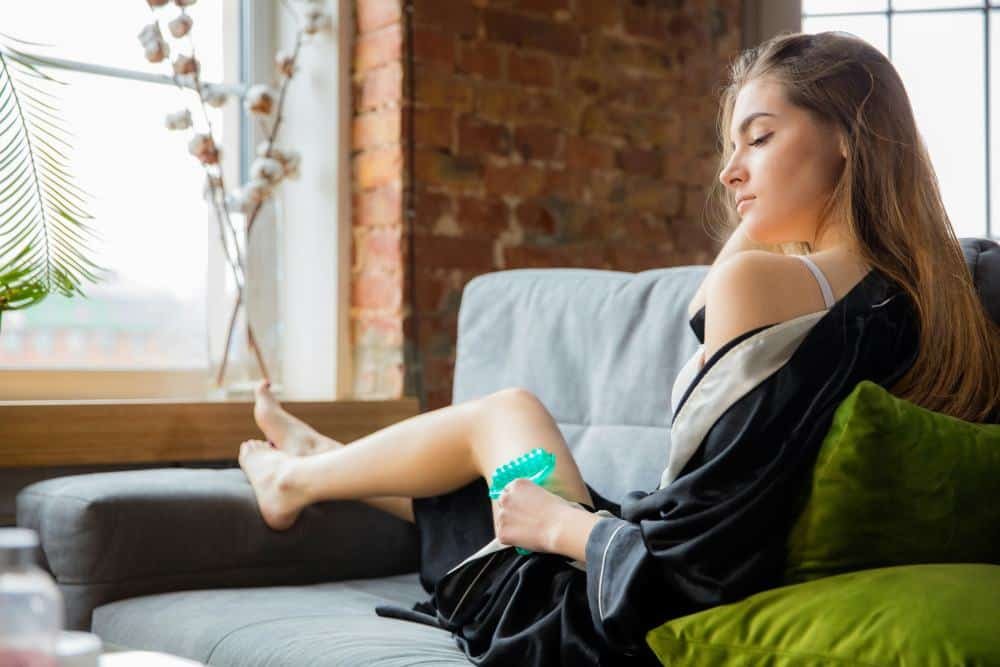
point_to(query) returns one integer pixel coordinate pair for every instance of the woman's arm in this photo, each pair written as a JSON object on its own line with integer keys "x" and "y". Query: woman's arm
{"x": 571, "y": 529}
{"x": 738, "y": 242}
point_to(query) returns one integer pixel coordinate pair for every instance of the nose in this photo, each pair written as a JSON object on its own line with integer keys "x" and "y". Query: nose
{"x": 732, "y": 173}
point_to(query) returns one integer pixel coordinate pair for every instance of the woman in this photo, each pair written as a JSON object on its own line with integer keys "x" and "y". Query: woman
{"x": 843, "y": 266}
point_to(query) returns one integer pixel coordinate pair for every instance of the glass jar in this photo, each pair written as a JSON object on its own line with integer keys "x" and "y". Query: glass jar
{"x": 229, "y": 335}
{"x": 31, "y": 605}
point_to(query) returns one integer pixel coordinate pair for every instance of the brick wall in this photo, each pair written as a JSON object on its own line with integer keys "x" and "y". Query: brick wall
{"x": 544, "y": 133}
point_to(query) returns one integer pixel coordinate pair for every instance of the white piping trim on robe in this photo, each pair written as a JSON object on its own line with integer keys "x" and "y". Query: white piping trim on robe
{"x": 600, "y": 580}
{"x": 740, "y": 369}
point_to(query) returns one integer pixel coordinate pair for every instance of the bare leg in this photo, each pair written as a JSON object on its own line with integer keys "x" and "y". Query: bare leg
{"x": 292, "y": 435}
{"x": 426, "y": 455}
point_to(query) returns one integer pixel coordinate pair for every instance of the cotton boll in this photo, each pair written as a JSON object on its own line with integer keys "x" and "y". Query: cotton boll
{"x": 285, "y": 62}
{"x": 213, "y": 96}
{"x": 179, "y": 120}
{"x": 293, "y": 157}
{"x": 260, "y": 99}
{"x": 156, "y": 48}
{"x": 186, "y": 65}
{"x": 289, "y": 160}
{"x": 203, "y": 148}
{"x": 198, "y": 143}
{"x": 267, "y": 169}
{"x": 150, "y": 33}
{"x": 181, "y": 25}
{"x": 279, "y": 155}
{"x": 157, "y": 51}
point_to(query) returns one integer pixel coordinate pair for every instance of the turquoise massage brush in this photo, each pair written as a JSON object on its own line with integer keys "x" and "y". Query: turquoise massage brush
{"x": 536, "y": 465}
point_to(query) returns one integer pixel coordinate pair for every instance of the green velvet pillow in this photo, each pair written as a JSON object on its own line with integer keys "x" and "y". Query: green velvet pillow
{"x": 895, "y": 484}
{"x": 927, "y": 615}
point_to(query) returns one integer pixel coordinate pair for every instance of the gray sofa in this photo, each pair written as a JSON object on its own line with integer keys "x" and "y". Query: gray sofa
{"x": 178, "y": 560}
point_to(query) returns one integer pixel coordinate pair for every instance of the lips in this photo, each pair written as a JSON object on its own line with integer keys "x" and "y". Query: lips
{"x": 742, "y": 202}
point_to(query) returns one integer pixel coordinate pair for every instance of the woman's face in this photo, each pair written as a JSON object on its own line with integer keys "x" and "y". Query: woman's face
{"x": 786, "y": 160}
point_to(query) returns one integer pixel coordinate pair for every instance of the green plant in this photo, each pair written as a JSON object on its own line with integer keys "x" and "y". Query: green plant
{"x": 42, "y": 233}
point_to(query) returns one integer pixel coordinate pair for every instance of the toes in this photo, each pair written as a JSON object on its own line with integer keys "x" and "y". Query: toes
{"x": 249, "y": 446}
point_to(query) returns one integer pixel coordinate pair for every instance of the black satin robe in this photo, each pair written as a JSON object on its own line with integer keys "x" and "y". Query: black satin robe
{"x": 745, "y": 432}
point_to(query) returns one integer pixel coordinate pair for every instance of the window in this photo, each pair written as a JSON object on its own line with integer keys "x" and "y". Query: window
{"x": 946, "y": 54}
{"x": 147, "y": 317}
{"x": 156, "y": 312}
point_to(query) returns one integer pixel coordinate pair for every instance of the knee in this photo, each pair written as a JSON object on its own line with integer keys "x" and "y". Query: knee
{"x": 512, "y": 400}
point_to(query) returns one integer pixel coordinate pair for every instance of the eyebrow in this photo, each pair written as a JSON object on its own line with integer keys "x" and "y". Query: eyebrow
{"x": 745, "y": 123}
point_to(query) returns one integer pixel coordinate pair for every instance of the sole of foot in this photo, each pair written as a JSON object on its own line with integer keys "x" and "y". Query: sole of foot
{"x": 266, "y": 469}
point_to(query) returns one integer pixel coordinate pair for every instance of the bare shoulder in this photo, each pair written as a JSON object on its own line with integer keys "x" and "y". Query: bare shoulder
{"x": 752, "y": 289}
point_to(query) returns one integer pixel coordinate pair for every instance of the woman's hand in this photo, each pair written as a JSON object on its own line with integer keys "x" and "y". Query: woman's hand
{"x": 527, "y": 516}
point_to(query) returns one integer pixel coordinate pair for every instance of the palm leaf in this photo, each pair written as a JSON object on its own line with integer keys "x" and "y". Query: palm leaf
{"x": 43, "y": 239}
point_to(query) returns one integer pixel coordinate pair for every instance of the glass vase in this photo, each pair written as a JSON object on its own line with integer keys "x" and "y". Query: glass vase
{"x": 254, "y": 318}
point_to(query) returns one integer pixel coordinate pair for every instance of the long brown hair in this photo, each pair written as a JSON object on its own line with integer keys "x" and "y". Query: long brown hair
{"x": 889, "y": 198}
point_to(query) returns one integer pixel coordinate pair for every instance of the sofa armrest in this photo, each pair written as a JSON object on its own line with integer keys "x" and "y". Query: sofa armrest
{"x": 108, "y": 536}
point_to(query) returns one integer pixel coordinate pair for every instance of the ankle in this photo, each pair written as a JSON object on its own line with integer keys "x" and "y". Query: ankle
{"x": 287, "y": 478}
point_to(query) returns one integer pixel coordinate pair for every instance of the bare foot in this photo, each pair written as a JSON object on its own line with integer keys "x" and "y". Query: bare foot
{"x": 288, "y": 433}
{"x": 266, "y": 469}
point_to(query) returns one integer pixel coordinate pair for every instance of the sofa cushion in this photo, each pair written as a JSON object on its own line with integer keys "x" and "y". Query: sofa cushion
{"x": 204, "y": 526}
{"x": 931, "y": 615}
{"x": 282, "y": 626}
{"x": 894, "y": 484}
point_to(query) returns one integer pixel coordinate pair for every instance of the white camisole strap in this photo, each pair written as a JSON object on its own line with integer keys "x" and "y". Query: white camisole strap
{"x": 824, "y": 285}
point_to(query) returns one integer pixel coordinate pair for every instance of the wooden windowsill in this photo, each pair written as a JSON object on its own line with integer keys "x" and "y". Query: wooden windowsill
{"x": 120, "y": 431}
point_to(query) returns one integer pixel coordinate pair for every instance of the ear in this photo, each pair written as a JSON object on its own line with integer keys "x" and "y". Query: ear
{"x": 842, "y": 145}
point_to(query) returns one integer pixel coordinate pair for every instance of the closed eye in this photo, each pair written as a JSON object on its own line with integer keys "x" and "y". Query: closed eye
{"x": 756, "y": 142}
